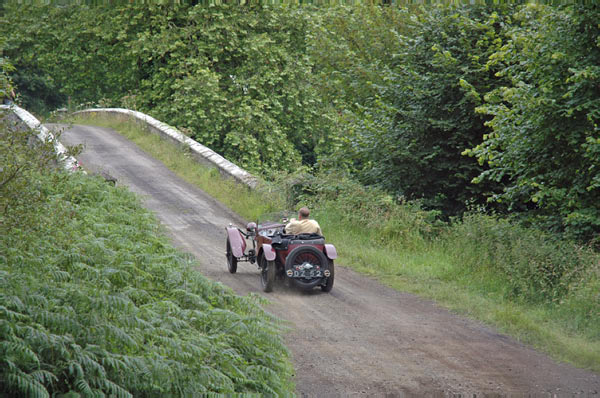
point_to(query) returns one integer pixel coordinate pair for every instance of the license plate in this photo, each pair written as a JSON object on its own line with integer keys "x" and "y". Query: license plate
{"x": 308, "y": 274}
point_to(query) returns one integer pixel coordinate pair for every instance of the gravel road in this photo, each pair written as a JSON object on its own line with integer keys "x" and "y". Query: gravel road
{"x": 362, "y": 339}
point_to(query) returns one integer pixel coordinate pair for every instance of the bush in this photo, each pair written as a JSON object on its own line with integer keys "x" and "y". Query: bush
{"x": 380, "y": 217}
{"x": 6, "y": 86}
{"x": 24, "y": 162}
{"x": 235, "y": 77}
{"x": 581, "y": 309}
{"x": 413, "y": 113}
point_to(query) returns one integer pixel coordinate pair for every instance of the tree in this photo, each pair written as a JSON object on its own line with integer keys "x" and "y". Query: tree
{"x": 545, "y": 136}
{"x": 6, "y": 86}
{"x": 409, "y": 137}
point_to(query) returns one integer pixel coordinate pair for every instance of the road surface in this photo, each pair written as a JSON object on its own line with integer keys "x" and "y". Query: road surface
{"x": 362, "y": 339}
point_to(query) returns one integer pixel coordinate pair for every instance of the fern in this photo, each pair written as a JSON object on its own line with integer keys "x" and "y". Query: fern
{"x": 115, "y": 390}
{"x": 11, "y": 315}
{"x": 24, "y": 384}
{"x": 36, "y": 300}
{"x": 91, "y": 366}
{"x": 59, "y": 275}
{"x": 82, "y": 386}
{"x": 12, "y": 302}
{"x": 125, "y": 314}
{"x": 19, "y": 352}
{"x": 43, "y": 377}
{"x": 75, "y": 370}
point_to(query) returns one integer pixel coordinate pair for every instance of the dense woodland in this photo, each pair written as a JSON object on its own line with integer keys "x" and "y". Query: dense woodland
{"x": 472, "y": 130}
{"x": 490, "y": 108}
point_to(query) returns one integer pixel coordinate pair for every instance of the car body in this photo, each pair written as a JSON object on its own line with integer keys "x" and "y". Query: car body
{"x": 306, "y": 259}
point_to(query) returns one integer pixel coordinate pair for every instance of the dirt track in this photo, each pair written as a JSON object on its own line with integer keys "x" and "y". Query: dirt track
{"x": 360, "y": 339}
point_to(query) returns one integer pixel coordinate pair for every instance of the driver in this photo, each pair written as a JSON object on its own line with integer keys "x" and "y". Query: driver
{"x": 303, "y": 225}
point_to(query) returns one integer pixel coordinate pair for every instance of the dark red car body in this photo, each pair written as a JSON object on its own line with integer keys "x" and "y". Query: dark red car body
{"x": 305, "y": 259}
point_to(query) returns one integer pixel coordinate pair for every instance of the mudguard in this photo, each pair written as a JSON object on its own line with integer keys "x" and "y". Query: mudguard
{"x": 269, "y": 252}
{"x": 330, "y": 251}
{"x": 237, "y": 242}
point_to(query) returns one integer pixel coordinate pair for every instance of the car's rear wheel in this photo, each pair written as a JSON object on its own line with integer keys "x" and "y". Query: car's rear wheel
{"x": 231, "y": 259}
{"x": 303, "y": 255}
{"x": 329, "y": 282}
{"x": 267, "y": 274}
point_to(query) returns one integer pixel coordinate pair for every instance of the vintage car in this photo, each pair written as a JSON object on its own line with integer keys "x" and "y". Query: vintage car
{"x": 305, "y": 259}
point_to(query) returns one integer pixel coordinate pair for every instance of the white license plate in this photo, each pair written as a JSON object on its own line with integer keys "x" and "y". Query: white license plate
{"x": 308, "y": 274}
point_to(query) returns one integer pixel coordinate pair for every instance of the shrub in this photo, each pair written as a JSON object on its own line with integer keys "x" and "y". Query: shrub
{"x": 380, "y": 217}
{"x": 413, "y": 113}
{"x": 24, "y": 163}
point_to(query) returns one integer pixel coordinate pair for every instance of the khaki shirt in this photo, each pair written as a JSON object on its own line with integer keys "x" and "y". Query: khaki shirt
{"x": 305, "y": 226}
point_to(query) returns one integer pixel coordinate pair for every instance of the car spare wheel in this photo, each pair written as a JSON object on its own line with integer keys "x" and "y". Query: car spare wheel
{"x": 304, "y": 258}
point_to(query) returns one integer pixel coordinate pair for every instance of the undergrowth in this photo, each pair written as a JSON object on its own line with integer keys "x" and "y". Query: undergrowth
{"x": 94, "y": 301}
{"x": 525, "y": 282}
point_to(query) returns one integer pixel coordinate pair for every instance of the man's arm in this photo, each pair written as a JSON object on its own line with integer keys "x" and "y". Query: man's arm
{"x": 291, "y": 226}
{"x": 318, "y": 228}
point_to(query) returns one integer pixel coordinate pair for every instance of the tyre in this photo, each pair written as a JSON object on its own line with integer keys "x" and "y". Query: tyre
{"x": 306, "y": 254}
{"x": 329, "y": 283}
{"x": 231, "y": 259}
{"x": 267, "y": 274}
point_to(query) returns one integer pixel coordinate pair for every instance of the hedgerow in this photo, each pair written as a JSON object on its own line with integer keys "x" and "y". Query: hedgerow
{"x": 95, "y": 302}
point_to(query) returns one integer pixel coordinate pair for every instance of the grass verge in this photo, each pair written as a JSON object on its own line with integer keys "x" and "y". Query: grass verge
{"x": 243, "y": 200}
{"x": 460, "y": 273}
{"x": 434, "y": 271}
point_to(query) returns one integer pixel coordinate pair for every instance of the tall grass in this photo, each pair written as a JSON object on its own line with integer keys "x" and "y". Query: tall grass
{"x": 526, "y": 283}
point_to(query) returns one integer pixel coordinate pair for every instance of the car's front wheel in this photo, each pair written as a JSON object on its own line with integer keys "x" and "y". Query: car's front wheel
{"x": 267, "y": 274}
{"x": 231, "y": 259}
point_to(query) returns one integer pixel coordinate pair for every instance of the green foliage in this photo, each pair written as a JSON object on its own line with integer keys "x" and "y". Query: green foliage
{"x": 395, "y": 97}
{"x": 23, "y": 162}
{"x": 6, "y": 86}
{"x": 525, "y": 265}
{"x": 350, "y": 203}
{"x": 409, "y": 249}
{"x": 407, "y": 133}
{"x": 537, "y": 268}
{"x": 389, "y": 95}
{"x": 95, "y": 302}
{"x": 234, "y": 77}
{"x": 67, "y": 55}
{"x": 545, "y": 137}
{"x": 352, "y": 49}
{"x": 481, "y": 253}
